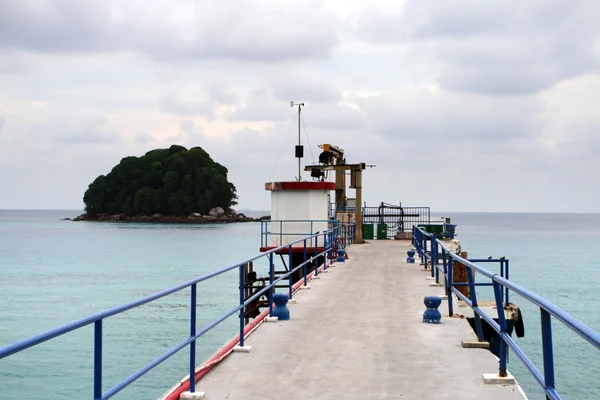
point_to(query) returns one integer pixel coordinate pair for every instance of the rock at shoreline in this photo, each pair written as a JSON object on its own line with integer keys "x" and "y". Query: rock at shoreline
{"x": 159, "y": 218}
{"x": 216, "y": 212}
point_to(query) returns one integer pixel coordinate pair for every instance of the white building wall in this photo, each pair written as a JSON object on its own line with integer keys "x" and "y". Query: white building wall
{"x": 297, "y": 205}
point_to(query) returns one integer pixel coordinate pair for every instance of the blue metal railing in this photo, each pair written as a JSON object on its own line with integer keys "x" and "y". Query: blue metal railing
{"x": 327, "y": 238}
{"x": 343, "y": 230}
{"x": 547, "y": 309}
{"x": 420, "y": 239}
{"x": 266, "y": 228}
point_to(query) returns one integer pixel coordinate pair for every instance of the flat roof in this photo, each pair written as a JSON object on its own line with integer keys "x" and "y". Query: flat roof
{"x": 299, "y": 185}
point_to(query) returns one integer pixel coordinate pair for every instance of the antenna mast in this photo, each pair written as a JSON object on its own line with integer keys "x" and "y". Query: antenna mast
{"x": 299, "y": 147}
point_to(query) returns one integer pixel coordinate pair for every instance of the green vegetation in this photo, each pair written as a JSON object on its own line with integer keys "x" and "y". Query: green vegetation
{"x": 173, "y": 181}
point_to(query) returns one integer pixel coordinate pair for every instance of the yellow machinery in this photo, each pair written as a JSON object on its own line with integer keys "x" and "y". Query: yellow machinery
{"x": 332, "y": 159}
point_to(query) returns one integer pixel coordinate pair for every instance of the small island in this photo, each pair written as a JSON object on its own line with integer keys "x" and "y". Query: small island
{"x": 163, "y": 185}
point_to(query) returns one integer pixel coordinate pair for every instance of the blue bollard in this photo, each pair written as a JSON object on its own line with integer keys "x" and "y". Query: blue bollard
{"x": 281, "y": 311}
{"x": 341, "y": 257}
{"x": 449, "y": 231}
{"x": 432, "y": 315}
{"x": 411, "y": 256}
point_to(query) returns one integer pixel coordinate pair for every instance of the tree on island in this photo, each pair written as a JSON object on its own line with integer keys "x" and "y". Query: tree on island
{"x": 173, "y": 181}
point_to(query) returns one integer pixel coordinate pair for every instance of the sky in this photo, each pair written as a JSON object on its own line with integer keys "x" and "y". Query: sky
{"x": 460, "y": 105}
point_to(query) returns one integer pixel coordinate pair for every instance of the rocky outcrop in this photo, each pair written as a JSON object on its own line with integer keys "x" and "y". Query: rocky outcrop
{"x": 216, "y": 212}
{"x": 216, "y": 215}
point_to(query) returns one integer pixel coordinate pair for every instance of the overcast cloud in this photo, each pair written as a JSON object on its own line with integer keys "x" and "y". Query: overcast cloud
{"x": 461, "y": 105}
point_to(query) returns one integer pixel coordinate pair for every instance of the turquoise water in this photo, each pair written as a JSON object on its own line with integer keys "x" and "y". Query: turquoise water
{"x": 556, "y": 256}
{"x": 53, "y": 272}
{"x": 56, "y": 271}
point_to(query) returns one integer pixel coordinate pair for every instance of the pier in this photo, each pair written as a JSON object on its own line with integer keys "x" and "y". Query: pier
{"x": 356, "y": 328}
{"x": 358, "y": 334}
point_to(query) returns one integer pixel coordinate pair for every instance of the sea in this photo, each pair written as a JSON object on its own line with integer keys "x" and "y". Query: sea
{"x": 54, "y": 271}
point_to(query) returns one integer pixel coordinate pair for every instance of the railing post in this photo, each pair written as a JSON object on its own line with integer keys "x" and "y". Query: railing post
{"x": 425, "y": 250}
{"x": 316, "y": 259}
{"x": 98, "y": 360}
{"x": 271, "y": 273}
{"x": 445, "y": 265}
{"x": 290, "y": 280}
{"x": 502, "y": 275}
{"x": 450, "y": 278}
{"x": 547, "y": 349}
{"x": 331, "y": 245}
{"x": 193, "y": 333}
{"x": 330, "y": 249}
{"x": 348, "y": 230}
{"x": 437, "y": 263}
{"x": 444, "y": 271}
{"x": 431, "y": 255}
{"x": 325, "y": 245}
{"x": 242, "y": 301}
{"x": 473, "y": 296}
{"x": 506, "y": 293}
{"x": 304, "y": 268}
{"x": 502, "y": 322}
{"x": 280, "y": 233}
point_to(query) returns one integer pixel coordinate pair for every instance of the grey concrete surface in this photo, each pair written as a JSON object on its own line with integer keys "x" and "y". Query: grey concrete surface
{"x": 358, "y": 334}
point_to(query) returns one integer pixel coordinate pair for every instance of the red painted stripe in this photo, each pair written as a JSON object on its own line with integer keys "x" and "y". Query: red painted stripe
{"x": 174, "y": 393}
{"x": 278, "y": 186}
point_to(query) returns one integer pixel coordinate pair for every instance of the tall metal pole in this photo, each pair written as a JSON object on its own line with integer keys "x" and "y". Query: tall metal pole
{"x": 299, "y": 148}
{"x": 299, "y": 144}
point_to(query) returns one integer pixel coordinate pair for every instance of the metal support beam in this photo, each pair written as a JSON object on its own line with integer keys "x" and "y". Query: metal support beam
{"x": 340, "y": 187}
{"x": 359, "y": 215}
{"x": 356, "y": 183}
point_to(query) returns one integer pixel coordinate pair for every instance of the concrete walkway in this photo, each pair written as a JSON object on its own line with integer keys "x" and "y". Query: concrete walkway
{"x": 358, "y": 334}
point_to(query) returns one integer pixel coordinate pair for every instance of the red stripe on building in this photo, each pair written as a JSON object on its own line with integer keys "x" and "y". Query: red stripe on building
{"x": 299, "y": 185}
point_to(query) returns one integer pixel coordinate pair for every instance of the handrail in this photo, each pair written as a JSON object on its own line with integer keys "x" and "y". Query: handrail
{"x": 547, "y": 310}
{"x": 329, "y": 238}
{"x": 346, "y": 230}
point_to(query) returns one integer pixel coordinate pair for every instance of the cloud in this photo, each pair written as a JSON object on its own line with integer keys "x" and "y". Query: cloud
{"x": 163, "y": 30}
{"x": 259, "y": 105}
{"x": 73, "y": 132}
{"x": 2, "y": 121}
{"x": 298, "y": 86}
{"x": 492, "y": 47}
{"x": 143, "y": 138}
{"x": 568, "y": 122}
{"x": 321, "y": 95}
{"x": 16, "y": 62}
{"x": 497, "y": 98}
{"x": 332, "y": 116}
{"x": 190, "y": 133}
{"x": 198, "y": 101}
{"x": 423, "y": 112}
{"x": 174, "y": 104}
